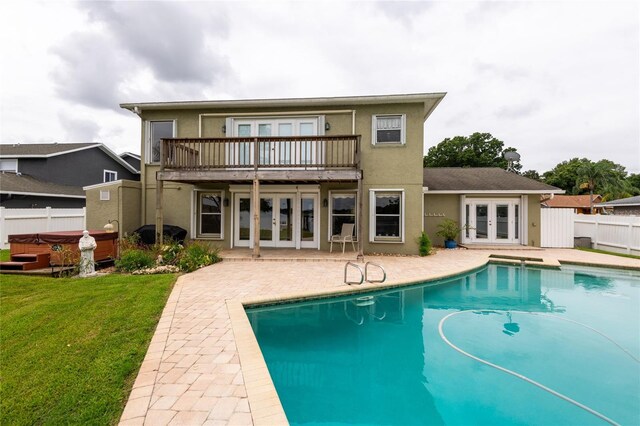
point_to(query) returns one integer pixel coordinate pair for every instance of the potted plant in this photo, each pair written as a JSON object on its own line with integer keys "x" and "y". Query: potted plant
{"x": 449, "y": 230}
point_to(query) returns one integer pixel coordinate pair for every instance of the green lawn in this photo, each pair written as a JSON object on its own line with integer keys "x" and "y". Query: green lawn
{"x": 609, "y": 252}
{"x": 71, "y": 347}
{"x": 4, "y": 255}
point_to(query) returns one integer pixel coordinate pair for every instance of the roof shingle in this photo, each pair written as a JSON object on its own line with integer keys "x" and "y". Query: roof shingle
{"x": 481, "y": 179}
{"x": 19, "y": 183}
{"x": 27, "y": 149}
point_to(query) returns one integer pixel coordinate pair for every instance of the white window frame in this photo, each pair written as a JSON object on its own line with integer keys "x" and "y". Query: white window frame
{"x": 148, "y": 151}
{"x": 372, "y": 216}
{"x": 106, "y": 172}
{"x": 9, "y": 165}
{"x": 198, "y": 214}
{"x": 374, "y": 130}
{"x": 330, "y": 213}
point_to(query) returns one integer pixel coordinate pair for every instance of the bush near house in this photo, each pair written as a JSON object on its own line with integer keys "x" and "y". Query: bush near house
{"x": 151, "y": 259}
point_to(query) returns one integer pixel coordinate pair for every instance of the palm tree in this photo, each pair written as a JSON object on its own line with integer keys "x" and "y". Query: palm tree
{"x": 592, "y": 175}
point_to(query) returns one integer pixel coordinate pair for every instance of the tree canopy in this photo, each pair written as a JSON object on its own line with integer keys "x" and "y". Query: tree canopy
{"x": 476, "y": 150}
{"x": 581, "y": 175}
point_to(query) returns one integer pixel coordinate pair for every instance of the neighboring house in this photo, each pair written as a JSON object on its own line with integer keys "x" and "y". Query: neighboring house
{"x": 491, "y": 205}
{"x": 579, "y": 203}
{"x": 53, "y": 174}
{"x": 286, "y": 172}
{"x": 623, "y": 206}
{"x": 132, "y": 159}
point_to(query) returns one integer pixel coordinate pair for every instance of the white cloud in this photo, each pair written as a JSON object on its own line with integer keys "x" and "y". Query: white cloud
{"x": 556, "y": 80}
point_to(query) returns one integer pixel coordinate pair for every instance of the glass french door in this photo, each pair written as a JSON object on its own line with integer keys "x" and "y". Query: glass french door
{"x": 493, "y": 221}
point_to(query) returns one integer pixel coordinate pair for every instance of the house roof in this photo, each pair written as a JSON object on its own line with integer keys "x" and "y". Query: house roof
{"x": 430, "y": 100}
{"x": 19, "y": 184}
{"x": 630, "y": 201}
{"x": 41, "y": 149}
{"x": 130, "y": 154}
{"x": 570, "y": 201}
{"x": 469, "y": 180}
{"x": 46, "y": 150}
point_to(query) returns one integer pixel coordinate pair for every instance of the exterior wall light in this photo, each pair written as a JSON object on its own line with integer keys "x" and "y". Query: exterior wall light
{"x": 327, "y": 126}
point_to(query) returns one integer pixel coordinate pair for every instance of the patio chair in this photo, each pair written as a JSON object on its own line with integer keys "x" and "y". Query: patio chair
{"x": 345, "y": 236}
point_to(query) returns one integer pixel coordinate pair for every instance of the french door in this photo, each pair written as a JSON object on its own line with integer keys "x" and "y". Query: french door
{"x": 286, "y": 220}
{"x": 493, "y": 221}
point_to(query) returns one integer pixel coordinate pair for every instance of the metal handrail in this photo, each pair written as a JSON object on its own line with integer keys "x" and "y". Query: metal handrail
{"x": 358, "y": 268}
{"x": 366, "y": 270}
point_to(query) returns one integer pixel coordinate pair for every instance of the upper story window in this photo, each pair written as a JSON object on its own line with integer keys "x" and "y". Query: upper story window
{"x": 156, "y": 131}
{"x": 389, "y": 129}
{"x": 109, "y": 176}
{"x": 9, "y": 165}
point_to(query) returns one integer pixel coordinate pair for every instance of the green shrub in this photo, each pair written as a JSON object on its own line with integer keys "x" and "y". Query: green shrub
{"x": 425, "y": 244}
{"x": 133, "y": 259}
{"x": 196, "y": 255}
{"x": 169, "y": 251}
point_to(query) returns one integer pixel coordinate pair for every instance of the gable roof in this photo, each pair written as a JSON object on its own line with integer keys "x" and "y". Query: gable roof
{"x": 430, "y": 100}
{"x": 19, "y": 184}
{"x": 470, "y": 180}
{"x": 630, "y": 201}
{"x": 47, "y": 150}
{"x": 570, "y": 201}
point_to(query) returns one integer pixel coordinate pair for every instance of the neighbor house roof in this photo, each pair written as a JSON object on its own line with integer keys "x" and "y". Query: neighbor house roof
{"x": 570, "y": 201}
{"x": 630, "y": 201}
{"x": 46, "y": 150}
{"x": 430, "y": 100}
{"x": 19, "y": 184}
{"x": 469, "y": 180}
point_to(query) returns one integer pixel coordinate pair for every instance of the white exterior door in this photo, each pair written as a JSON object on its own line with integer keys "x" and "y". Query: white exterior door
{"x": 286, "y": 220}
{"x": 493, "y": 221}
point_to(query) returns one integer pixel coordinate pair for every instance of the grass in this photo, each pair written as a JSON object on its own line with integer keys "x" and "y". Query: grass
{"x": 4, "y": 255}
{"x": 631, "y": 256}
{"x": 71, "y": 347}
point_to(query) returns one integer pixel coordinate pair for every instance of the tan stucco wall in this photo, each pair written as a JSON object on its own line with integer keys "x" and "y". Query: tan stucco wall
{"x": 533, "y": 220}
{"x": 438, "y": 207}
{"x": 384, "y": 167}
{"x": 123, "y": 205}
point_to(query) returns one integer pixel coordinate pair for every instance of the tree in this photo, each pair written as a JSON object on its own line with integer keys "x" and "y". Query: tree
{"x": 634, "y": 182}
{"x": 580, "y": 175}
{"x": 476, "y": 150}
{"x": 532, "y": 174}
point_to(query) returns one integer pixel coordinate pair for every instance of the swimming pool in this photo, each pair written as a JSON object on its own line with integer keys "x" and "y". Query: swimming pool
{"x": 430, "y": 354}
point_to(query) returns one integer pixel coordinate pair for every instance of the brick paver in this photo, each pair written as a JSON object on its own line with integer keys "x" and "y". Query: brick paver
{"x": 194, "y": 372}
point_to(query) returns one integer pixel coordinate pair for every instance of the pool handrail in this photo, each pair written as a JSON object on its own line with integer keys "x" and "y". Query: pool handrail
{"x": 366, "y": 272}
{"x": 346, "y": 266}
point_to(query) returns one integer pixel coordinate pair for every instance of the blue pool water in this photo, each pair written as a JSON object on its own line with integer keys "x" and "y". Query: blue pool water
{"x": 383, "y": 359}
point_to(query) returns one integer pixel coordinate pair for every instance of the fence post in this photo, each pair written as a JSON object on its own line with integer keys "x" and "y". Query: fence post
{"x": 48, "y": 209}
{"x": 595, "y": 244}
{"x": 630, "y": 239}
{"x": 84, "y": 218}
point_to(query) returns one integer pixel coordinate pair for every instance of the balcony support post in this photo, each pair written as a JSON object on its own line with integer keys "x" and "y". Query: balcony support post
{"x": 360, "y": 226}
{"x": 159, "y": 194}
{"x": 256, "y": 218}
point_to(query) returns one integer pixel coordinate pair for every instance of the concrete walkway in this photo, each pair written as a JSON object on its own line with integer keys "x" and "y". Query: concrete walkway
{"x": 204, "y": 367}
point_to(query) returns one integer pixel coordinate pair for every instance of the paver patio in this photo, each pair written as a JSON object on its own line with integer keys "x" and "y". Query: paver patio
{"x": 203, "y": 366}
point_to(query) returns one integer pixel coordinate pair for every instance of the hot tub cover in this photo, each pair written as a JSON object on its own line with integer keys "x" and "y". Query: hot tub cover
{"x": 148, "y": 233}
{"x": 60, "y": 237}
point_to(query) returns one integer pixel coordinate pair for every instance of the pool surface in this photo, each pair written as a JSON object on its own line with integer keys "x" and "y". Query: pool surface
{"x": 501, "y": 345}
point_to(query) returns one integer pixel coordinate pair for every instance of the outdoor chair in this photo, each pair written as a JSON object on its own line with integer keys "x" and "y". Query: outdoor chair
{"x": 345, "y": 236}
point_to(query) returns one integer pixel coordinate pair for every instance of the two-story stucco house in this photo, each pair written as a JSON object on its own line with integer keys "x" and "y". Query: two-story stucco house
{"x": 291, "y": 172}
{"x": 286, "y": 172}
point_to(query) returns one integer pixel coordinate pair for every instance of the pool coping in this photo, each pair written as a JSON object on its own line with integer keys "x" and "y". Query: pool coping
{"x": 266, "y": 407}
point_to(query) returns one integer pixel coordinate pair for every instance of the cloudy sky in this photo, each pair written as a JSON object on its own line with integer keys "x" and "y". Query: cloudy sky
{"x": 555, "y": 80}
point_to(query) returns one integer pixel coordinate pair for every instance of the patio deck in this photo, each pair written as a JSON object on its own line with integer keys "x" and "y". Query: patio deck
{"x": 204, "y": 367}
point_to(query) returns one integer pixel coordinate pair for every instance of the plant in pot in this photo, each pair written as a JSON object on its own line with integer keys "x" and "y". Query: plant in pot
{"x": 449, "y": 230}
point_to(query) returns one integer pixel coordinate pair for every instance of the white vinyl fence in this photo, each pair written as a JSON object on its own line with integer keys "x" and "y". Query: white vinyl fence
{"x": 556, "y": 228}
{"x": 619, "y": 234}
{"x": 28, "y": 221}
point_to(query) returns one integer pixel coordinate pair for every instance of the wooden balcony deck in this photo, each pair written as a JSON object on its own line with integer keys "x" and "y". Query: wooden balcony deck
{"x": 294, "y": 158}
